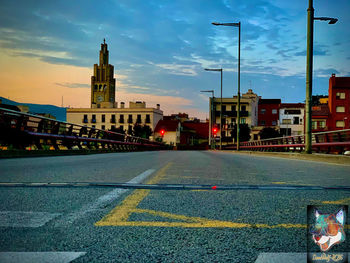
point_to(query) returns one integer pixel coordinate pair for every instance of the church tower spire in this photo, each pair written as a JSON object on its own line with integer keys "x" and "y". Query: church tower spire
{"x": 103, "y": 81}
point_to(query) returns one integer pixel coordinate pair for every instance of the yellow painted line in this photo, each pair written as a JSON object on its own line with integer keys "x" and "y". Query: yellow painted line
{"x": 337, "y": 202}
{"x": 279, "y": 182}
{"x": 201, "y": 190}
{"x": 124, "y": 210}
{"x": 120, "y": 214}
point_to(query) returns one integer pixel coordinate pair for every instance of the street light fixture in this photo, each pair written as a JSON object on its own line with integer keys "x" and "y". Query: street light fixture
{"x": 218, "y": 69}
{"x": 309, "y": 59}
{"x": 239, "y": 72}
{"x": 211, "y": 117}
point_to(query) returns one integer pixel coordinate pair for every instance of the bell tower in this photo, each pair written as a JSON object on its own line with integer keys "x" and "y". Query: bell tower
{"x": 103, "y": 82}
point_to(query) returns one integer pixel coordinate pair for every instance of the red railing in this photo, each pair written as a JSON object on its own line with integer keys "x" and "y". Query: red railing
{"x": 20, "y": 130}
{"x": 327, "y": 142}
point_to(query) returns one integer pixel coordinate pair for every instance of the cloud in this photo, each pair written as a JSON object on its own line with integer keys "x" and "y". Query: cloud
{"x": 319, "y": 50}
{"x": 73, "y": 85}
{"x": 326, "y": 72}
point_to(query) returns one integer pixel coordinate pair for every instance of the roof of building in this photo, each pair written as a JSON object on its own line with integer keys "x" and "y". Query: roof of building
{"x": 292, "y": 105}
{"x": 340, "y": 82}
{"x": 167, "y": 125}
{"x": 320, "y": 110}
{"x": 200, "y": 128}
{"x": 269, "y": 101}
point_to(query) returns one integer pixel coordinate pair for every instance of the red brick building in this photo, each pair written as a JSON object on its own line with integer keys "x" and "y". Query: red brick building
{"x": 320, "y": 118}
{"x": 268, "y": 112}
{"x": 339, "y": 103}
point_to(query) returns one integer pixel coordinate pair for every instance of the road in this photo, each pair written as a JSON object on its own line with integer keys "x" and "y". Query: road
{"x": 94, "y": 224}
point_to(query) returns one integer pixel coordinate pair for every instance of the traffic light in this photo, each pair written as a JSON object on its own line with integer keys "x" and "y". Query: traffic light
{"x": 215, "y": 130}
{"x": 162, "y": 132}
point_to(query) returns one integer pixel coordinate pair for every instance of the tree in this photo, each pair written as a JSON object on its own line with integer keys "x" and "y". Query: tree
{"x": 244, "y": 132}
{"x": 142, "y": 131}
{"x": 268, "y": 133}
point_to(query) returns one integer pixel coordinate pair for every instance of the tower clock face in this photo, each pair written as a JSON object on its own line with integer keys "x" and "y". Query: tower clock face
{"x": 99, "y": 98}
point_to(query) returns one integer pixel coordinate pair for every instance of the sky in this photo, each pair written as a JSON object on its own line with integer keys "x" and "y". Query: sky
{"x": 160, "y": 48}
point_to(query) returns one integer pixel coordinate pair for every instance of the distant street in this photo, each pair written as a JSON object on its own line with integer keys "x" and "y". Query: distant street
{"x": 123, "y": 225}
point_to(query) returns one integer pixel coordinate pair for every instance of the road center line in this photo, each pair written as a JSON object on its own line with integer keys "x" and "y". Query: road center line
{"x": 101, "y": 201}
{"x": 123, "y": 211}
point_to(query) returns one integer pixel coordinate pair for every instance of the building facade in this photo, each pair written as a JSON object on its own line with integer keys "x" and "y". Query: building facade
{"x": 291, "y": 119}
{"x": 248, "y": 112}
{"x": 268, "y": 115}
{"x": 339, "y": 103}
{"x": 116, "y": 118}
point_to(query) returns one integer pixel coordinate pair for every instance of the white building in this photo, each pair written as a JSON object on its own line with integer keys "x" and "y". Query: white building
{"x": 122, "y": 118}
{"x": 291, "y": 119}
{"x": 248, "y": 112}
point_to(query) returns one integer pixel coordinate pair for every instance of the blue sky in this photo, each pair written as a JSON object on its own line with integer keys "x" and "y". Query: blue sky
{"x": 160, "y": 48}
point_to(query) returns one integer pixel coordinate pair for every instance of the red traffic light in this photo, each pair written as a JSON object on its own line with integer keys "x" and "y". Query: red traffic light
{"x": 162, "y": 132}
{"x": 215, "y": 130}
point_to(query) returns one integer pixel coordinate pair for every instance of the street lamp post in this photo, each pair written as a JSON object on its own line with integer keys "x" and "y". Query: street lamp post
{"x": 239, "y": 73}
{"x": 309, "y": 58}
{"x": 219, "y": 69}
{"x": 211, "y": 117}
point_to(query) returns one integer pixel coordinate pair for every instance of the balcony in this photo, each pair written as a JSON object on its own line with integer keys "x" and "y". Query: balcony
{"x": 232, "y": 113}
{"x": 85, "y": 120}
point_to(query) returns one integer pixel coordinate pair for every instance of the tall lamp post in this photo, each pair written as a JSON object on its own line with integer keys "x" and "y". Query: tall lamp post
{"x": 218, "y": 69}
{"x": 211, "y": 117}
{"x": 239, "y": 72}
{"x": 309, "y": 58}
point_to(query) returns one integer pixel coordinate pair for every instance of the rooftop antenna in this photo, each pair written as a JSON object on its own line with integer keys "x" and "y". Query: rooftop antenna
{"x": 104, "y": 41}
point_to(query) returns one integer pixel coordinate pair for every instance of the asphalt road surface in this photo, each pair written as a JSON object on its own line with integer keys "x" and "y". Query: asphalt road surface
{"x": 96, "y": 224}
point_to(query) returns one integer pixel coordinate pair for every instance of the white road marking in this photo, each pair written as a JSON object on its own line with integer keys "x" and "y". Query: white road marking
{"x": 39, "y": 257}
{"x": 101, "y": 201}
{"x": 25, "y": 219}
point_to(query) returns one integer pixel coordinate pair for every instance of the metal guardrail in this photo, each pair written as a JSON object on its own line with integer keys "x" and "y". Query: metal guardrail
{"x": 326, "y": 142}
{"x": 28, "y": 131}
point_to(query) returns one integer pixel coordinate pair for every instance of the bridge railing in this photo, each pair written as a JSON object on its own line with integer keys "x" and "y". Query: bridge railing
{"x": 22, "y": 130}
{"x": 327, "y": 142}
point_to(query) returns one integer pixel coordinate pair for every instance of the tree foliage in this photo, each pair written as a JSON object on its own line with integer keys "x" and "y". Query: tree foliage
{"x": 268, "y": 133}
{"x": 142, "y": 131}
{"x": 244, "y": 133}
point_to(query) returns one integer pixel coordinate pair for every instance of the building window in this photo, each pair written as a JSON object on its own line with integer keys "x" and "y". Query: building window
{"x": 93, "y": 126}
{"x": 322, "y": 124}
{"x": 340, "y": 109}
{"x": 243, "y": 108}
{"x": 121, "y": 127}
{"x": 121, "y": 119}
{"x": 243, "y": 121}
{"x": 340, "y": 95}
{"x": 103, "y": 118}
{"x": 113, "y": 127}
{"x": 256, "y": 137}
{"x": 113, "y": 118}
{"x": 233, "y": 108}
{"x": 223, "y": 107}
{"x": 85, "y": 120}
{"x": 314, "y": 125}
{"x": 130, "y": 118}
{"x": 262, "y": 111}
{"x": 262, "y": 123}
{"x": 148, "y": 119}
{"x": 292, "y": 112}
{"x": 103, "y": 127}
{"x": 138, "y": 120}
{"x": 286, "y": 121}
{"x": 93, "y": 120}
{"x": 130, "y": 129}
{"x": 274, "y": 123}
{"x": 274, "y": 111}
{"x": 296, "y": 120}
{"x": 339, "y": 124}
